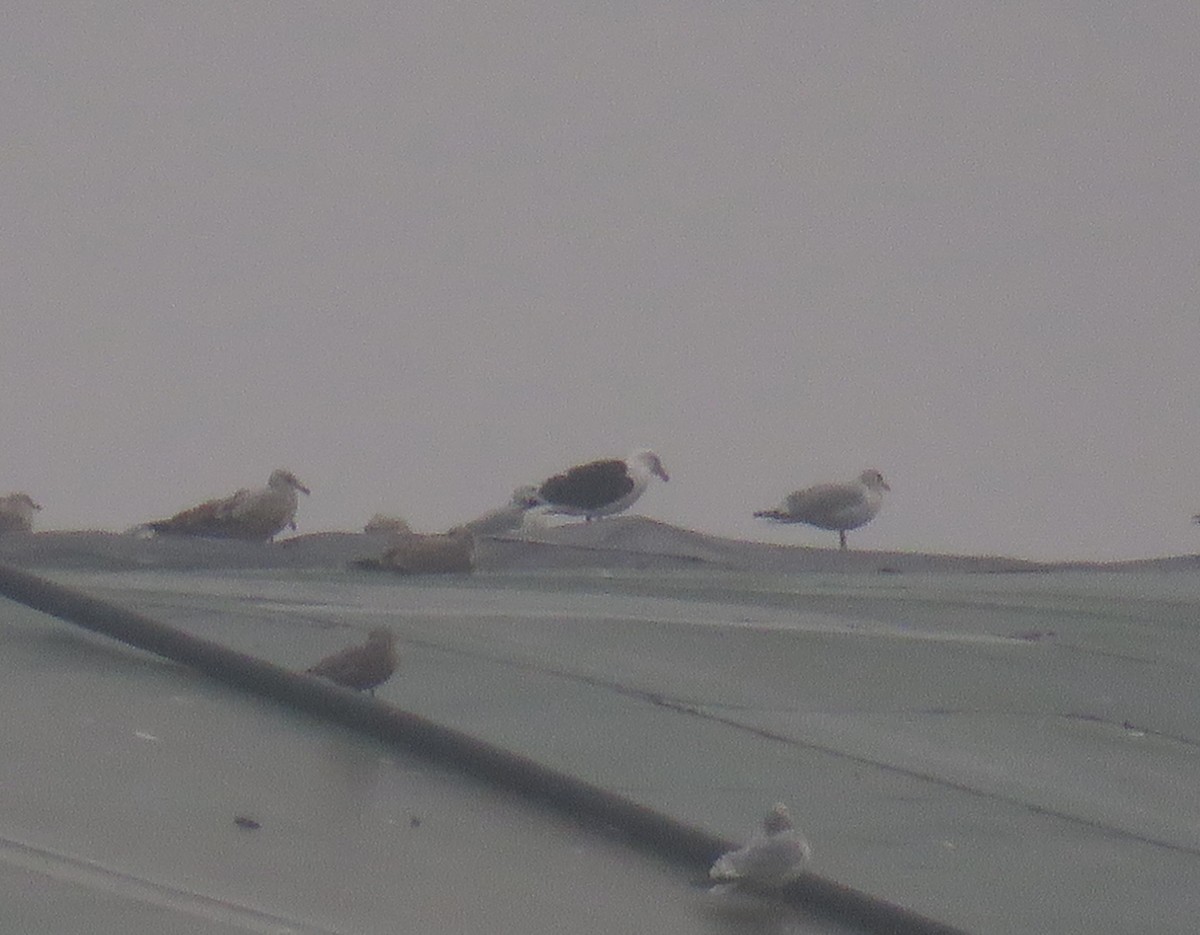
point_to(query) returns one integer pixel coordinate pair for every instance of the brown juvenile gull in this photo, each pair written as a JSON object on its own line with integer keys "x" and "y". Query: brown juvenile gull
{"x": 362, "y": 668}
{"x": 841, "y": 507}
{"x": 600, "y": 488}
{"x": 247, "y": 514}
{"x": 16, "y": 513}
{"x": 772, "y": 857}
{"x": 427, "y": 554}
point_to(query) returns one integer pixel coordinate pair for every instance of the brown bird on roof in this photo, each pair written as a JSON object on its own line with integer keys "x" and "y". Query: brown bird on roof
{"x": 362, "y": 668}
{"x": 414, "y": 553}
{"x": 257, "y": 515}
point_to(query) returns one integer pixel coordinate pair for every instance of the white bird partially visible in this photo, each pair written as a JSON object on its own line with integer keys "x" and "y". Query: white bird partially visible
{"x": 16, "y": 512}
{"x": 772, "y": 857}
{"x": 247, "y": 514}
{"x": 600, "y": 488}
{"x": 507, "y": 518}
{"x": 839, "y": 507}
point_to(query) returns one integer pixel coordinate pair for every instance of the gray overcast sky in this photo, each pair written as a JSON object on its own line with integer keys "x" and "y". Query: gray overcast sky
{"x": 423, "y": 253}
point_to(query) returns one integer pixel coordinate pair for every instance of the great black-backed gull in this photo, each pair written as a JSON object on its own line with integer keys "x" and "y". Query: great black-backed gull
{"x": 362, "y": 668}
{"x": 600, "y": 488}
{"x": 772, "y": 857}
{"x": 839, "y": 507}
{"x": 16, "y": 513}
{"x": 248, "y": 514}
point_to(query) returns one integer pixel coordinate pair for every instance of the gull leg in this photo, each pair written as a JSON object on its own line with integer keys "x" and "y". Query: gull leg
{"x": 842, "y": 539}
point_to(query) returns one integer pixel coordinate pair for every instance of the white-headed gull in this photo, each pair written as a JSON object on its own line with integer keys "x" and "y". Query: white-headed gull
{"x": 839, "y": 507}
{"x": 772, "y": 857}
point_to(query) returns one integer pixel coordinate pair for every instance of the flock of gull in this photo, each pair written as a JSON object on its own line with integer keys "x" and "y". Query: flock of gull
{"x": 773, "y": 856}
{"x": 591, "y": 490}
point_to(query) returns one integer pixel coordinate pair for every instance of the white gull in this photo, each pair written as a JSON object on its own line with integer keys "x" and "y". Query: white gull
{"x": 507, "y": 518}
{"x": 839, "y": 507}
{"x": 772, "y": 857}
{"x": 16, "y": 513}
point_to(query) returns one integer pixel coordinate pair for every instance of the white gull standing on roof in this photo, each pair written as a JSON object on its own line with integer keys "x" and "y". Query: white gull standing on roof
{"x": 16, "y": 513}
{"x": 247, "y": 514}
{"x": 600, "y": 488}
{"x": 840, "y": 507}
{"x": 772, "y": 857}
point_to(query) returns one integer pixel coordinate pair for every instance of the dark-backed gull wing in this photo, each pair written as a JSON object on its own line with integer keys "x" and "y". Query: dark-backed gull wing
{"x": 589, "y": 486}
